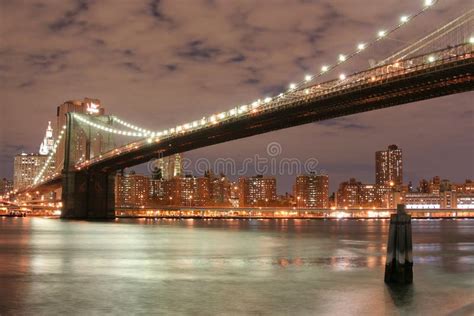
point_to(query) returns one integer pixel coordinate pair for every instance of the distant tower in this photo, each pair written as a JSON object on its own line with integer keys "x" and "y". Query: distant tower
{"x": 170, "y": 167}
{"x": 389, "y": 166}
{"x": 47, "y": 144}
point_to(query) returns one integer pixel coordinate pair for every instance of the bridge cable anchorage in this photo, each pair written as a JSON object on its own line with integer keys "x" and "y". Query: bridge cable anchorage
{"x": 39, "y": 177}
{"x": 273, "y": 102}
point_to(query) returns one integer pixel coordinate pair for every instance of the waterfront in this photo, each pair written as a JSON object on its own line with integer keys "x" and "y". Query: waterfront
{"x": 300, "y": 267}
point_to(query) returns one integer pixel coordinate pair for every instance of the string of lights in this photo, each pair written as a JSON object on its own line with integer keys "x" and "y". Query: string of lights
{"x": 362, "y": 46}
{"x": 107, "y": 128}
{"x": 131, "y": 126}
{"x": 39, "y": 177}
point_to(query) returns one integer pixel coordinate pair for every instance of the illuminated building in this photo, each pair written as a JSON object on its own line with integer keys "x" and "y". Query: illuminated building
{"x": 219, "y": 189}
{"x": 189, "y": 191}
{"x": 389, "y": 166}
{"x": 312, "y": 191}
{"x": 26, "y": 167}
{"x": 348, "y": 194}
{"x": 467, "y": 187}
{"x": 434, "y": 186}
{"x": 442, "y": 194}
{"x": 234, "y": 194}
{"x": 366, "y": 196}
{"x": 354, "y": 194}
{"x": 159, "y": 191}
{"x": 383, "y": 197}
{"x": 5, "y": 186}
{"x": 465, "y": 201}
{"x": 422, "y": 201}
{"x": 48, "y": 141}
{"x": 257, "y": 191}
{"x": 169, "y": 167}
{"x": 131, "y": 190}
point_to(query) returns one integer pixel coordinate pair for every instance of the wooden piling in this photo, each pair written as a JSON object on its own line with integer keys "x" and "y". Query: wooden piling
{"x": 399, "y": 261}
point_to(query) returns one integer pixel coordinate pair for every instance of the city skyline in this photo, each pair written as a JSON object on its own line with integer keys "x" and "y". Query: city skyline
{"x": 425, "y": 130}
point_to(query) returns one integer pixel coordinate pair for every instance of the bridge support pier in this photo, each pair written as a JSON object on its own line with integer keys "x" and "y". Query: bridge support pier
{"x": 399, "y": 261}
{"x": 88, "y": 195}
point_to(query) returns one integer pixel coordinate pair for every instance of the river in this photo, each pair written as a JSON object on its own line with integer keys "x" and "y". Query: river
{"x": 222, "y": 267}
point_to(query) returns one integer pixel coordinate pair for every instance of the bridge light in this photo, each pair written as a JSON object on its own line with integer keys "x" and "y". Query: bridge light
{"x": 471, "y": 40}
{"x": 404, "y": 19}
{"x": 361, "y": 46}
{"x": 212, "y": 119}
{"x": 149, "y": 140}
{"x": 292, "y": 86}
{"x": 221, "y": 115}
{"x": 431, "y": 59}
{"x": 342, "y": 76}
{"x": 308, "y": 78}
{"x": 381, "y": 34}
{"x": 324, "y": 68}
{"x": 429, "y": 3}
{"x": 267, "y": 99}
{"x": 342, "y": 57}
{"x": 232, "y": 112}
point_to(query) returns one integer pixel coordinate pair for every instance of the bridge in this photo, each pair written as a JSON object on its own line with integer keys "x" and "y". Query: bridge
{"x": 435, "y": 65}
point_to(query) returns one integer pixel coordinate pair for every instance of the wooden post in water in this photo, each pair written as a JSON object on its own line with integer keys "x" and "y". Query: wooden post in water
{"x": 399, "y": 263}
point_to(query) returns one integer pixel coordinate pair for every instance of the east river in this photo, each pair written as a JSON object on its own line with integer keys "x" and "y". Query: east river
{"x": 229, "y": 267}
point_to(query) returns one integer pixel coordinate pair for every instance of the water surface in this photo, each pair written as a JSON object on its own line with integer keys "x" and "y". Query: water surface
{"x": 202, "y": 267}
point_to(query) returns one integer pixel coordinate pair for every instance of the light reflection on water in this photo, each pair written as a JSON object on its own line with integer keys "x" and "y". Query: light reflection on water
{"x": 301, "y": 267}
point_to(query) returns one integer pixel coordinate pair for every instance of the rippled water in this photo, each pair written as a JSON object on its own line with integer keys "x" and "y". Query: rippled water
{"x": 202, "y": 267}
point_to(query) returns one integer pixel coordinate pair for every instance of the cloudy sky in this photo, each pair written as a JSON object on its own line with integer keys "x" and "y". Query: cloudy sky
{"x": 158, "y": 63}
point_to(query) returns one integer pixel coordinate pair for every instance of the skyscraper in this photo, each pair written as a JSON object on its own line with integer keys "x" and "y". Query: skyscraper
{"x": 168, "y": 167}
{"x": 47, "y": 144}
{"x": 312, "y": 191}
{"x": 389, "y": 166}
{"x": 26, "y": 167}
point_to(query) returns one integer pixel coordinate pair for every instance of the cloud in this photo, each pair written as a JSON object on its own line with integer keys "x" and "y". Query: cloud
{"x": 71, "y": 17}
{"x": 198, "y": 51}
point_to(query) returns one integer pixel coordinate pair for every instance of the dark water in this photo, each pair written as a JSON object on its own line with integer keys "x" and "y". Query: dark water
{"x": 202, "y": 267}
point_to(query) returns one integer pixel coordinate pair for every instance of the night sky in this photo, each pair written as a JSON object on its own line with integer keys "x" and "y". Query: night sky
{"x": 162, "y": 63}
